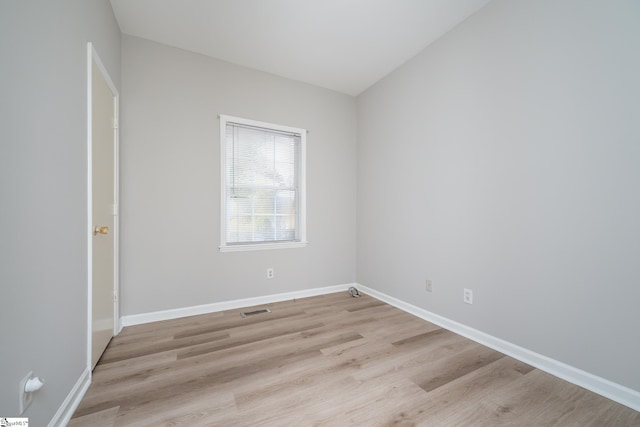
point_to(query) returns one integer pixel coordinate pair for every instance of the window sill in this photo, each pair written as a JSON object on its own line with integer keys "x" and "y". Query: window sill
{"x": 262, "y": 246}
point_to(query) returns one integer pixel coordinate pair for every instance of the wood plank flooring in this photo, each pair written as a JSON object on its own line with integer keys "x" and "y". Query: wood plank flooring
{"x": 330, "y": 360}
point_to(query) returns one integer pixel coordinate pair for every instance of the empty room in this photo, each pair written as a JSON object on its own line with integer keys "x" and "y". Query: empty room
{"x": 306, "y": 212}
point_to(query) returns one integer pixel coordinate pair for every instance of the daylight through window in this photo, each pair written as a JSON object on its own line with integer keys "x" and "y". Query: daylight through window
{"x": 263, "y": 185}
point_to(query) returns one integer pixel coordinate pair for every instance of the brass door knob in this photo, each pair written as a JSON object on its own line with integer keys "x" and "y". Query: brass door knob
{"x": 100, "y": 230}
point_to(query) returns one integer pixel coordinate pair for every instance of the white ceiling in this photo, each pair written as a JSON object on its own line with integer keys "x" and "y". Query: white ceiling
{"x": 344, "y": 45}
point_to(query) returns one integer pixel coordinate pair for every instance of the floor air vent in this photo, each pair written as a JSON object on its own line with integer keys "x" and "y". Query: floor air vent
{"x": 253, "y": 313}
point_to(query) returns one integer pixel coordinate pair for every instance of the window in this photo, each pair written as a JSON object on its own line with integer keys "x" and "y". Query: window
{"x": 263, "y": 185}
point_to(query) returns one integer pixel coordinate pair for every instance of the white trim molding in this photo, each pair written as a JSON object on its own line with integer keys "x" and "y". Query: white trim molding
{"x": 262, "y": 246}
{"x": 137, "y": 319}
{"x": 300, "y": 240}
{"x": 70, "y": 404}
{"x": 616, "y": 392}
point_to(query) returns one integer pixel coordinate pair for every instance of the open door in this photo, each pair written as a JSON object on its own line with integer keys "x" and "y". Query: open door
{"x": 104, "y": 208}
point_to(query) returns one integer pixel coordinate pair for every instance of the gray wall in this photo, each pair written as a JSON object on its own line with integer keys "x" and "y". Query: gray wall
{"x": 170, "y": 179}
{"x": 43, "y": 186}
{"x": 505, "y": 158}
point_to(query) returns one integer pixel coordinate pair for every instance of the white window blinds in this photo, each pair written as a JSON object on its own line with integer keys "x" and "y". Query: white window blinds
{"x": 262, "y": 183}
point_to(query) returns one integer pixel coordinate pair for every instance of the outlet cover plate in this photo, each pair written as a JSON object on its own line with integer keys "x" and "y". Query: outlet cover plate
{"x": 468, "y": 296}
{"x": 429, "y": 287}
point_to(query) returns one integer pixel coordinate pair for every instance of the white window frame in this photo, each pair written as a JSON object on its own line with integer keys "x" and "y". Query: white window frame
{"x": 302, "y": 213}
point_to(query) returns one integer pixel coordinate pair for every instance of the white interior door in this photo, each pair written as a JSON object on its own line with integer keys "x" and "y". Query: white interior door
{"x": 103, "y": 166}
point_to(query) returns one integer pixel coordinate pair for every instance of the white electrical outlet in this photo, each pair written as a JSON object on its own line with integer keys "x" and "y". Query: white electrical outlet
{"x": 25, "y": 398}
{"x": 270, "y": 274}
{"x": 467, "y": 296}
{"x": 429, "y": 287}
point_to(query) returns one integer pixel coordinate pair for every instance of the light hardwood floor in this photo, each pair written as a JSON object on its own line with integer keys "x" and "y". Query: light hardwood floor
{"x": 329, "y": 360}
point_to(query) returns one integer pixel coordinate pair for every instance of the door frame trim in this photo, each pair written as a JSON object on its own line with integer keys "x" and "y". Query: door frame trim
{"x": 94, "y": 58}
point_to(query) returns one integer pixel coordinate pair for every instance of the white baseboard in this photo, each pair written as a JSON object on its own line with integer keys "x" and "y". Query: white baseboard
{"x": 68, "y": 407}
{"x": 601, "y": 386}
{"x": 137, "y": 319}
